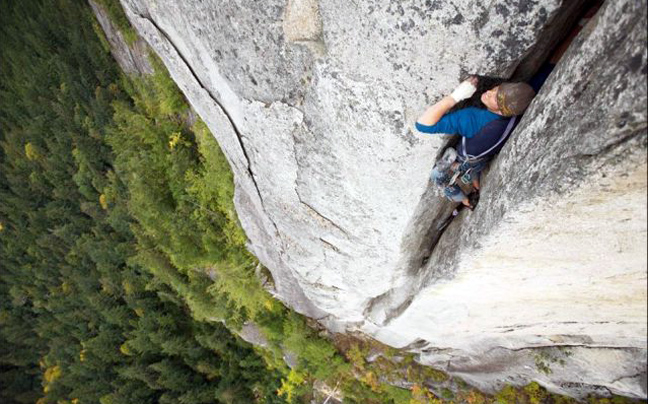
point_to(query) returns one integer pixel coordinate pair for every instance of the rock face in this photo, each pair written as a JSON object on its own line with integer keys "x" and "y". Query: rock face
{"x": 313, "y": 103}
{"x": 133, "y": 59}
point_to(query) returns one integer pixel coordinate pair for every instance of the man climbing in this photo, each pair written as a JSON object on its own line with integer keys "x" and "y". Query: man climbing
{"x": 482, "y": 132}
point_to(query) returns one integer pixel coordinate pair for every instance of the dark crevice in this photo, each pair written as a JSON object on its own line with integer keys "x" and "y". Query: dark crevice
{"x": 330, "y": 245}
{"x": 429, "y": 239}
{"x": 553, "y": 37}
{"x": 430, "y": 224}
{"x": 585, "y": 346}
{"x": 326, "y": 219}
{"x": 634, "y": 376}
{"x": 553, "y": 33}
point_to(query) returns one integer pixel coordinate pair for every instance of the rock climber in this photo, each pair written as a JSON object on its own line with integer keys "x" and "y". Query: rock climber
{"x": 484, "y": 130}
{"x": 481, "y": 130}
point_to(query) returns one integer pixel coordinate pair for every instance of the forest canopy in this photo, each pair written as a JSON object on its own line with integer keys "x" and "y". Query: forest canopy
{"x": 98, "y": 304}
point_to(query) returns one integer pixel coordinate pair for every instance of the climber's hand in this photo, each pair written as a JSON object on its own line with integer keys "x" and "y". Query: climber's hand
{"x": 465, "y": 90}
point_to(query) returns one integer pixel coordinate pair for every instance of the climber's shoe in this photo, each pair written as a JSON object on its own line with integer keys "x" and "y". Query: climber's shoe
{"x": 473, "y": 199}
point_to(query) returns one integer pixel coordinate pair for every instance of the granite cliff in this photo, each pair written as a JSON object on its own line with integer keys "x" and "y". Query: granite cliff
{"x": 313, "y": 103}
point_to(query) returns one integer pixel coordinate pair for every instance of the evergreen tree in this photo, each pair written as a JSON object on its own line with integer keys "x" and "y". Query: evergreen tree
{"x": 96, "y": 302}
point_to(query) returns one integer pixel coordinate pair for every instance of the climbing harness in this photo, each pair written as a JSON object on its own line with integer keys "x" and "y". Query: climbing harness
{"x": 457, "y": 169}
{"x": 463, "y": 154}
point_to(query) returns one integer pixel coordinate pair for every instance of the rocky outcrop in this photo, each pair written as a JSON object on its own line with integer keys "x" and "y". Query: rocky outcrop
{"x": 313, "y": 104}
{"x": 133, "y": 58}
{"x": 555, "y": 254}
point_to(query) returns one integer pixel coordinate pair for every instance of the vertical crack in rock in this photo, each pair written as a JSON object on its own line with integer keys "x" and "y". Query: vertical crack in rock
{"x": 424, "y": 237}
{"x": 304, "y": 306}
{"x": 425, "y": 231}
{"x": 562, "y": 20}
{"x": 579, "y": 150}
{"x": 239, "y": 137}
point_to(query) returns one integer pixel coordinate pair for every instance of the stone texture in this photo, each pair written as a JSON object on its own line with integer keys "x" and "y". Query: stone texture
{"x": 555, "y": 254}
{"x": 328, "y": 395}
{"x": 251, "y": 333}
{"x": 313, "y": 106}
{"x": 312, "y": 138}
{"x": 302, "y": 21}
{"x": 290, "y": 358}
{"x": 133, "y": 59}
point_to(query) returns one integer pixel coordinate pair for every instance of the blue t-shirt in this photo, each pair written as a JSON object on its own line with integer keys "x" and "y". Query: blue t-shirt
{"x": 466, "y": 122}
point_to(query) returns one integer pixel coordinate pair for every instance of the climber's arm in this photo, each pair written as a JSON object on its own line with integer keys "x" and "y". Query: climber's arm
{"x": 434, "y": 113}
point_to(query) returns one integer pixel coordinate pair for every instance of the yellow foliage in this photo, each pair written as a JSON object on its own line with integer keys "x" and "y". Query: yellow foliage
{"x": 53, "y": 373}
{"x": 421, "y": 395}
{"x": 75, "y": 401}
{"x": 128, "y": 287}
{"x": 536, "y": 393}
{"x": 356, "y": 356}
{"x": 288, "y": 386}
{"x": 373, "y": 382}
{"x": 176, "y": 139}
{"x": 66, "y": 287}
{"x": 113, "y": 89}
{"x": 82, "y": 355}
{"x": 507, "y": 395}
{"x": 31, "y": 152}
{"x": 103, "y": 202}
{"x": 1, "y": 227}
{"x": 42, "y": 400}
{"x": 105, "y": 288}
{"x": 139, "y": 311}
{"x": 124, "y": 349}
{"x": 418, "y": 394}
{"x": 286, "y": 390}
{"x": 475, "y": 398}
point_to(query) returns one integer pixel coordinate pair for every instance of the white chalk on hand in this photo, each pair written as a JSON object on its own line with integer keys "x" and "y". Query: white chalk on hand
{"x": 464, "y": 91}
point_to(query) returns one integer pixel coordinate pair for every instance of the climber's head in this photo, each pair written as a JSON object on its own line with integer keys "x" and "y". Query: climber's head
{"x": 508, "y": 99}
